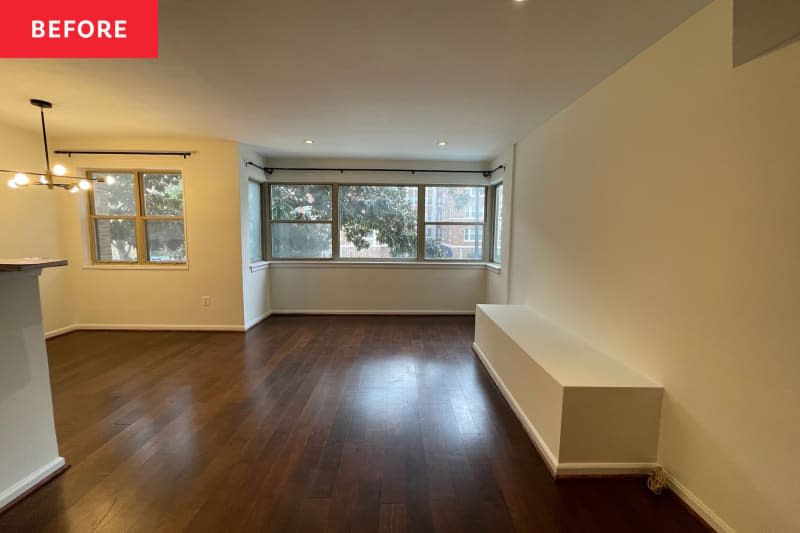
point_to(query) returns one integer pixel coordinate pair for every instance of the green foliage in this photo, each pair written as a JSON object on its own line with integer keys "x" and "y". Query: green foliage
{"x": 163, "y": 194}
{"x": 386, "y": 212}
{"x": 389, "y": 213}
{"x": 301, "y": 202}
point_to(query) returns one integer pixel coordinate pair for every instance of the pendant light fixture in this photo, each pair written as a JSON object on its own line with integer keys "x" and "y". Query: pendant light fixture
{"x": 48, "y": 178}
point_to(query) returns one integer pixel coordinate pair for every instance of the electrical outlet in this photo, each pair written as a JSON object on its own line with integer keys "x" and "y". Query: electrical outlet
{"x": 205, "y": 301}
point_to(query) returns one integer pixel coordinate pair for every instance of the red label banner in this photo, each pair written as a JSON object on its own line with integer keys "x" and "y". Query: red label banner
{"x": 79, "y": 28}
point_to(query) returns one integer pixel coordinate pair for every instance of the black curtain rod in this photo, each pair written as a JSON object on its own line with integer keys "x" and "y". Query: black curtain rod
{"x": 270, "y": 170}
{"x": 70, "y": 153}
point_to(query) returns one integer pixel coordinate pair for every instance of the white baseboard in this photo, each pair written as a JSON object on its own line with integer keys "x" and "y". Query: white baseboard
{"x": 30, "y": 481}
{"x": 603, "y": 469}
{"x": 696, "y": 504}
{"x": 257, "y": 320}
{"x": 544, "y": 451}
{"x": 250, "y": 324}
{"x": 60, "y": 331}
{"x": 373, "y": 312}
{"x": 145, "y": 327}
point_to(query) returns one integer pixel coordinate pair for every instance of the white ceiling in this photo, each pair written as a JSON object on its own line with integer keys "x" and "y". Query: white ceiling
{"x": 363, "y": 78}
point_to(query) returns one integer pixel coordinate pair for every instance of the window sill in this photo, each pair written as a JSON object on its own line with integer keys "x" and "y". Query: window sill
{"x": 493, "y": 267}
{"x": 126, "y": 266}
{"x": 327, "y": 263}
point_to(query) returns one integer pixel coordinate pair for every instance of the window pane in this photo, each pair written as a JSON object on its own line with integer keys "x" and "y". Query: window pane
{"x": 301, "y": 202}
{"x": 254, "y": 221}
{"x": 498, "y": 223}
{"x": 117, "y": 198}
{"x": 115, "y": 240}
{"x": 454, "y": 204}
{"x": 163, "y": 194}
{"x": 165, "y": 241}
{"x": 453, "y": 242}
{"x": 378, "y": 222}
{"x": 301, "y": 241}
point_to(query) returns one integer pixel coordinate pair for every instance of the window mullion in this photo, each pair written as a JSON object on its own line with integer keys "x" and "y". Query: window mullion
{"x": 335, "y": 222}
{"x": 421, "y": 222}
{"x": 143, "y": 253}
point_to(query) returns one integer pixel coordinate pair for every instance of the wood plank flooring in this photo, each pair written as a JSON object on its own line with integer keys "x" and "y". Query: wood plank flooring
{"x": 313, "y": 423}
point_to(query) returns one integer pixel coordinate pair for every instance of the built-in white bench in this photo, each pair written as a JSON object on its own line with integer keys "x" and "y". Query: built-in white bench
{"x": 585, "y": 412}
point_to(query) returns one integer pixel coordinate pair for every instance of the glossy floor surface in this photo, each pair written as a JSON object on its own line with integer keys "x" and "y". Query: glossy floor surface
{"x": 306, "y": 424}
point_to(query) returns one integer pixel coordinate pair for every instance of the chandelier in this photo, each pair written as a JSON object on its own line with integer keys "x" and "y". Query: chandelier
{"x": 58, "y": 172}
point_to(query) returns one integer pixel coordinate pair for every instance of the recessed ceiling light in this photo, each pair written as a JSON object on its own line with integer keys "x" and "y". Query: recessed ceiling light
{"x": 442, "y": 143}
{"x": 309, "y": 141}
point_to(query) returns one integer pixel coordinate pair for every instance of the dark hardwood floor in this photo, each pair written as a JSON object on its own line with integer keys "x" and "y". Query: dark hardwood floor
{"x": 306, "y": 424}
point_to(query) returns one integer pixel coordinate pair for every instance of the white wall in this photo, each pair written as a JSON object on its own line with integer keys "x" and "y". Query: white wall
{"x": 497, "y": 281}
{"x": 255, "y": 281}
{"x": 163, "y": 296}
{"x": 657, "y": 218}
{"x": 29, "y": 222}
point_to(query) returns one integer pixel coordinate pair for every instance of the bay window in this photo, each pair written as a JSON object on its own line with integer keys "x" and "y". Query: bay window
{"x": 377, "y": 222}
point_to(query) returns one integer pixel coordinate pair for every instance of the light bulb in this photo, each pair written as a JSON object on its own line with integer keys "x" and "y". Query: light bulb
{"x": 12, "y": 183}
{"x": 43, "y": 180}
{"x": 21, "y": 179}
{"x": 73, "y": 189}
{"x": 59, "y": 170}
{"x": 110, "y": 180}
{"x": 84, "y": 185}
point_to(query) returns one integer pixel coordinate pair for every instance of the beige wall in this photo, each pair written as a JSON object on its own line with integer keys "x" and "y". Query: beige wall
{"x": 367, "y": 288}
{"x": 163, "y": 297}
{"x": 29, "y": 222}
{"x": 657, "y": 218}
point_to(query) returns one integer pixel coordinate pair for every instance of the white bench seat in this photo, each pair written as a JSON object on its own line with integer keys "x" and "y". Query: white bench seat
{"x": 585, "y": 412}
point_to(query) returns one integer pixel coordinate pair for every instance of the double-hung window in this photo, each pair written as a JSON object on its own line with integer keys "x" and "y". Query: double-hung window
{"x": 454, "y": 223}
{"x": 301, "y": 218}
{"x": 137, "y": 217}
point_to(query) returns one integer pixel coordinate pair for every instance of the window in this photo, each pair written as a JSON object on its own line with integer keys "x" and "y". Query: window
{"x": 254, "y": 236}
{"x": 454, "y": 222}
{"x": 498, "y": 223}
{"x": 301, "y": 219}
{"x": 377, "y": 222}
{"x": 137, "y": 217}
